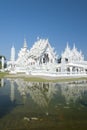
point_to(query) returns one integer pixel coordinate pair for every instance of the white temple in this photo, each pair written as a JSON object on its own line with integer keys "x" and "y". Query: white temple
{"x": 73, "y": 61}
{"x": 41, "y": 59}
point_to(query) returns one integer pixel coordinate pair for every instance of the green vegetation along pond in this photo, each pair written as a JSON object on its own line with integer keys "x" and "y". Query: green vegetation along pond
{"x": 28, "y": 105}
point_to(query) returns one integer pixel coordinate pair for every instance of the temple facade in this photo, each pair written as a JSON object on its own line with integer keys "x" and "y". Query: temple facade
{"x": 72, "y": 55}
{"x": 72, "y": 61}
{"x": 42, "y": 59}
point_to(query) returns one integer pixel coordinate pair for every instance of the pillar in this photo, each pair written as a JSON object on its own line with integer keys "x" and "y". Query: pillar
{"x": 70, "y": 70}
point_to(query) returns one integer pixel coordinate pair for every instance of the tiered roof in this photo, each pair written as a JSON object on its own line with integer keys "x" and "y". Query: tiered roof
{"x": 39, "y": 48}
{"x": 72, "y": 54}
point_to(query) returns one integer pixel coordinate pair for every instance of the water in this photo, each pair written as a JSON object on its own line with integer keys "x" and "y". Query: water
{"x": 42, "y": 106}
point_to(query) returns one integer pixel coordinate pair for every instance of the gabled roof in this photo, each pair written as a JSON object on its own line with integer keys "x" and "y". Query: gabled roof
{"x": 72, "y": 54}
{"x": 39, "y": 48}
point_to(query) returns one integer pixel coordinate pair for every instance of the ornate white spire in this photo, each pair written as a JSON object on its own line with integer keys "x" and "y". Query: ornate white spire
{"x": 12, "y": 53}
{"x": 67, "y": 49}
{"x": 67, "y": 53}
{"x": 67, "y": 46}
{"x": 74, "y": 46}
{"x": 25, "y": 43}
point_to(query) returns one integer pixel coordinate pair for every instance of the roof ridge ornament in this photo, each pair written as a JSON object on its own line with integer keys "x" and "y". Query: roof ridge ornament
{"x": 67, "y": 45}
{"x": 38, "y": 38}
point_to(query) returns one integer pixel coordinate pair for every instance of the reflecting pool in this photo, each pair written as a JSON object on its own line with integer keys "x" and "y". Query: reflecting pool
{"x": 43, "y": 106}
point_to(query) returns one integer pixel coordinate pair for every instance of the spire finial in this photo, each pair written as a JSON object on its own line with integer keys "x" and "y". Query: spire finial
{"x": 74, "y": 46}
{"x": 25, "y": 43}
{"x": 13, "y": 53}
{"x": 38, "y": 38}
{"x": 67, "y": 45}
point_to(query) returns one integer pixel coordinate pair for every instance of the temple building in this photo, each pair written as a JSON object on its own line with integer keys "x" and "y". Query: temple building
{"x": 41, "y": 59}
{"x": 72, "y": 61}
{"x": 43, "y": 55}
{"x": 72, "y": 55}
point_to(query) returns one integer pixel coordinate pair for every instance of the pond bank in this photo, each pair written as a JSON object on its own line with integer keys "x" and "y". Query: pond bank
{"x": 40, "y": 78}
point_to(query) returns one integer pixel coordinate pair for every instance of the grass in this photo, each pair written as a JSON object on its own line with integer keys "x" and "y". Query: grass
{"x": 3, "y": 74}
{"x": 35, "y": 79}
{"x": 40, "y": 78}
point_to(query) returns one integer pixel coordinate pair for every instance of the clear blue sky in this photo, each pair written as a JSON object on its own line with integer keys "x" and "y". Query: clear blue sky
{"x": 58, "y": 20}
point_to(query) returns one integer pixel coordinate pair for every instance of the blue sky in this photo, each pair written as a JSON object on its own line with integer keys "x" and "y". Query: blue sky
{"x": 60, "y": 21}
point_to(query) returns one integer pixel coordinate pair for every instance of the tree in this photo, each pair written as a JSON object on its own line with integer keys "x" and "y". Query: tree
{"x": 2, "y": 56}
{"x": 1, "y": 61}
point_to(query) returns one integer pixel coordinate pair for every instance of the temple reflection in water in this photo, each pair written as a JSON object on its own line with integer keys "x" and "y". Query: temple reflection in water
{"x": 42, "y": 93}
{"x": 42, "y": 104}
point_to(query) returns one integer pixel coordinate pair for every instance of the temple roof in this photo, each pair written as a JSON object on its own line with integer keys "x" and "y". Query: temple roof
{"x": 72, "y": 54}
{"x": 39, "y": 48}
{"x": 67, "y": 52}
